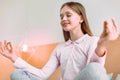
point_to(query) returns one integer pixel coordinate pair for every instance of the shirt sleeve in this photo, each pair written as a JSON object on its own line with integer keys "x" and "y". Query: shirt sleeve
{"x": 92, "y": 55}
{"x": 43, "y": 73}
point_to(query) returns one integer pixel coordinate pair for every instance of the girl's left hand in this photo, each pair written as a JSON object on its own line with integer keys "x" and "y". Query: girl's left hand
{"x": 110, "y": 32}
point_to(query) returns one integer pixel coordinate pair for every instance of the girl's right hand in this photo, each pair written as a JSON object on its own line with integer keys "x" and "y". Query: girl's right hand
{"x": 7, "y": 50}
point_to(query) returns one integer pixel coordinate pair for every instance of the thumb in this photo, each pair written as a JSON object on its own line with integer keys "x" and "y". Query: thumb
{"x": 105, "y": 29}
{"x": 105, "y": 25}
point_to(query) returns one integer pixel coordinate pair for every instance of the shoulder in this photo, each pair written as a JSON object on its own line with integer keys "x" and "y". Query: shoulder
{"x": 57, "y": 51}
{"x": 92, "y": 38}
{"x": 59, "y": 46}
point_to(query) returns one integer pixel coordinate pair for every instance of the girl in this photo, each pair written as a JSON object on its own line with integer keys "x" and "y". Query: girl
{"x": 79, "y": 50}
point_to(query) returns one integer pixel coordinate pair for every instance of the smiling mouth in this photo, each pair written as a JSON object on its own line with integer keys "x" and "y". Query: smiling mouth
{"x": 65, "y": 24}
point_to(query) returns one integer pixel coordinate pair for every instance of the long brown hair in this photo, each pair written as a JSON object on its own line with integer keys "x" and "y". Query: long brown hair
{"x": 79, "y": 9}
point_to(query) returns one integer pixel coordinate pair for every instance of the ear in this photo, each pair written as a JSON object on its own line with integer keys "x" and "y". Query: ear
{"x": 81, "y": 19}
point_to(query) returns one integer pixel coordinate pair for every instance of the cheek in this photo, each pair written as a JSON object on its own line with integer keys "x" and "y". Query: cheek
{"x": 75, "y": 21}
{"x": 61, "y": 23}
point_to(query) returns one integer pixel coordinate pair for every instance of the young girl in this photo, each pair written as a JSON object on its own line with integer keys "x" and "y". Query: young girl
{"x": 79, "y": 50}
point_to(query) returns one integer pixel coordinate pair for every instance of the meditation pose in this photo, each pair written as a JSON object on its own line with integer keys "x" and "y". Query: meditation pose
{"x": 78, "y": 56}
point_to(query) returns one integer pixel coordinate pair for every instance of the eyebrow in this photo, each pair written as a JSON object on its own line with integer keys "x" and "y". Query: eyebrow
{"x": 67, "y": 12}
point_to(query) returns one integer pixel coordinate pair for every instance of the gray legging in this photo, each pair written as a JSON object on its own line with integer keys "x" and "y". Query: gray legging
{"x": 19, "y": 74}
{"x": 93, "y": 71}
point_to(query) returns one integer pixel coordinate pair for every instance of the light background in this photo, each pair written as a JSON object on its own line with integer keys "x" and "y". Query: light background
{"x": 36, "y": 22}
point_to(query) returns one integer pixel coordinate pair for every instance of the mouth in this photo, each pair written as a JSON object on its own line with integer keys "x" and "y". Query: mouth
{"x": 64, "y": 24}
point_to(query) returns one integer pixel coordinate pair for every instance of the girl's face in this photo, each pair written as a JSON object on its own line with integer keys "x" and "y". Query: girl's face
{"x": 70, "y": 20}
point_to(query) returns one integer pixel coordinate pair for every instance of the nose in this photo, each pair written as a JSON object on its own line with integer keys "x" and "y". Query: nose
{"x": 64, "y": 18}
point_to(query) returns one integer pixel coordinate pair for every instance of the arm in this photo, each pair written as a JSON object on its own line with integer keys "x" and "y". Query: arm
{"x": 19, "y": 63}
{"x": 92, "y": 53}
{"x": 43, "y": 73}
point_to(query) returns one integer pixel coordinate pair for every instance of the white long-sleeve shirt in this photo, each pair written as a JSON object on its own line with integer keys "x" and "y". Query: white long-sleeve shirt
{"x": 71, "y": 56}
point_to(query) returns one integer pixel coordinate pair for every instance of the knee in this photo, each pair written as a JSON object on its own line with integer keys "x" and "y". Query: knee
{"x": 95, "y": 67}
{"x": 93, "y": 71}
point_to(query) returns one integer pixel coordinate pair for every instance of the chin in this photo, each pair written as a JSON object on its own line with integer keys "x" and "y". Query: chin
{"x": 66, "y": 28}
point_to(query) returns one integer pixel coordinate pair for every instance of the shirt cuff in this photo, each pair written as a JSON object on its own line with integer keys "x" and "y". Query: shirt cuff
{"x": 20, "y": 63}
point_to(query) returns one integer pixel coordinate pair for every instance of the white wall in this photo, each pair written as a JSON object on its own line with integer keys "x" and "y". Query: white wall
{"x": 37, "y": 21}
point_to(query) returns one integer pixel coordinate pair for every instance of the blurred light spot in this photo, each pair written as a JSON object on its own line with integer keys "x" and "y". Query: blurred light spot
{"x": 25, "y": 47}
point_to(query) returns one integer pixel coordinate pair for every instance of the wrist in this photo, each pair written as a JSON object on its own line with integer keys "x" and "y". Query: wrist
{"x": 101, "y": 51}
{"x": 13, "y": 59}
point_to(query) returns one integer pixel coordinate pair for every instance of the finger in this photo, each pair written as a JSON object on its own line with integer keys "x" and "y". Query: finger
{"x": 5, "y": 44}
{"x": 105, "y": 30}
{"x": 0, "y": 44}
{"x": 115, "y": 24}
{"x": 1, "y": 50}
{"x": 106, "y": 26}
{"x": 1, "y": 47}
{"x": 9, "y": 46}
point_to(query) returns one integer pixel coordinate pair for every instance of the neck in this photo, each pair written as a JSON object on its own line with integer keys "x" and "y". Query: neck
{"x": 75, "y": 36}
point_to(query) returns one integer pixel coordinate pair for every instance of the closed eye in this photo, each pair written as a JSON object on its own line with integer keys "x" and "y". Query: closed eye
{"x": 69, "y": 15}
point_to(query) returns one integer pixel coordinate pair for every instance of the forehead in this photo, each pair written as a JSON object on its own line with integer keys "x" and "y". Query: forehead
{"x": 66, "y": 9}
